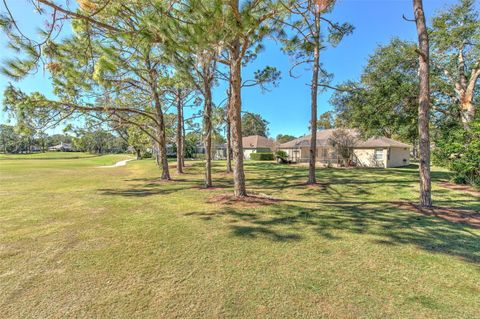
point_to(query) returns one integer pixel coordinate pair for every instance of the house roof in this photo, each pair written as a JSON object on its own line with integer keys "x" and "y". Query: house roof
{"x": 324, "y": 136}
{"x": 380, "y": 141}
{"x": 257, "y": 141}
{"x": 62, "y": 145}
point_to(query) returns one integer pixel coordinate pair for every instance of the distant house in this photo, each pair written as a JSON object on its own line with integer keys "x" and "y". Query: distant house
{"x": 373, "y": 152}
{"x": 256, "y": 144}
{"x": 251, "y": 144}
{"x": 62, "y": 147}
{"x": 35, "y": 149}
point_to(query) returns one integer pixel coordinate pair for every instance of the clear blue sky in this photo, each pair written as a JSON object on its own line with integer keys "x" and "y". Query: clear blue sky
{"x": 286, "y": 107}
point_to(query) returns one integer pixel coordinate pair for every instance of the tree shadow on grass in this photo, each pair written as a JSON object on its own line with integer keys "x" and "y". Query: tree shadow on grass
{"x": 384, "y": 222}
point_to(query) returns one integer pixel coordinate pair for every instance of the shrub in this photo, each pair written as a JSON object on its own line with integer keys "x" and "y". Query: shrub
{"x": 281, "y": 154}
{"x": 262, "y": 156}
{"x": 460, "y": 152}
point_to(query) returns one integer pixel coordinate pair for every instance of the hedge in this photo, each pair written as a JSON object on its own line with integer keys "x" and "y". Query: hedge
{"x": 262, "y": 156}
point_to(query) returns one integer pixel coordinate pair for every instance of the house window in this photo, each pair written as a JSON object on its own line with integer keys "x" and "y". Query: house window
{"x": 379, "y": 154}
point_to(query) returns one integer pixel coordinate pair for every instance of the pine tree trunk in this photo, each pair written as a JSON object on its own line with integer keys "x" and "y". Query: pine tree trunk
{"x": 314, "y": 94}
{"x": 229, "y": 147}
{"x": 207, "y": 132}
{"x": 162, "y": 160}
{"x": 229, "y": 137}
{"x": 424, "y": 105}
{"x": 183, "y": 140}
{"x": 179, "y": 131}
{"x": 234, "y": 114}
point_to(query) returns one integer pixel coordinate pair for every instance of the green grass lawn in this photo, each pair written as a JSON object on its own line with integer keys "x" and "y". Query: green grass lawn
{"x": 81, "y": 241}
{"x": 47, "y": 155}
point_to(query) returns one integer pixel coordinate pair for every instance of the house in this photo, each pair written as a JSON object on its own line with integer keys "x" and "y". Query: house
{"x": 220, "y": 151}
{"x": 251, "y": 144}
{"x": 62, "y": 147}
{"x": 256, "y": 144}
{"x": 381, "y": 152}
{"x": 373, "y": 152}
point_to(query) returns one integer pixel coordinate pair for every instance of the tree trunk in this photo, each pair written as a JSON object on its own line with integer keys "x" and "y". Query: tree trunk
{"x": 162, "y": 160}
{"x": 423, "y": 105}
{"x": 229, "y": 147}
{"x": 467, "y": 111}
{"x": 234, "y": 114}
{"x": 139, "y": 155}
{"x": 161, "y": 142}
{"x": 183, "y": 140}
{"x": 466, "y": 90}
{"x": 179, "y": 131}
{"x": 314, "y": 92}
{"x": 207, "y": 129}
{"x": 229, "y": 137}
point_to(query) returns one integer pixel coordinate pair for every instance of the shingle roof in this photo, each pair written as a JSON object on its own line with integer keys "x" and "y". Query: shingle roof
{"x": 324, "y": 136}
{"x": 381, "y": 141}
{"x": 257, "y": 141}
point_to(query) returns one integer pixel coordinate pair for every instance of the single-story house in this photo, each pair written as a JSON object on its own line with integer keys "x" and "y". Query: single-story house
{"x": 62, "y": 147}
{"x": 373, "y": 152}
{"x": 257, "y": 144}
{"x": 251, "y": 144}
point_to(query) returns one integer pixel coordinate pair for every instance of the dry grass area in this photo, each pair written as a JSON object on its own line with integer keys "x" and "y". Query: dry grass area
{"x": 77, "y": 241}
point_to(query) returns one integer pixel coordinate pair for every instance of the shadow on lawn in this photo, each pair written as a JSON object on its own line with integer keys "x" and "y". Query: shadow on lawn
{"x": 287, "y": 221}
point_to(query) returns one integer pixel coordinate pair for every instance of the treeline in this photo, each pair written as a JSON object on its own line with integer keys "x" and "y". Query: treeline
{"x": 14, "y": 142}
{"x": 97, "y": 141}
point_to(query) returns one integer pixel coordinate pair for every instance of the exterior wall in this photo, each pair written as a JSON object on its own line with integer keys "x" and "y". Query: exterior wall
{"x": 305, "y": 153}
{"x": 399, "y": 156}
{"x": 248, "y": 151}
{"x": 365, "y": 157}
{"x": 220, "y": 153}
{"x": 302, "y": 155}
{"x": 293, "y": 154}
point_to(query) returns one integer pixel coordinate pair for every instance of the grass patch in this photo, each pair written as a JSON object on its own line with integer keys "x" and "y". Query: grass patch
{"x": 78, "y": 241}
{"x": 47, "y": 155}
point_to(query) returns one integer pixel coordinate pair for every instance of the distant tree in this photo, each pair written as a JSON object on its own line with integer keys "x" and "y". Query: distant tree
{"x": 8, "y": 138}
{"x": 384, "y": 101}
{"x": 325, "y": 121}
{"x": 284, "y": 138}
{"x": 98, "y": 141}
{"x": 56, "y": 139}
{"x": 254, "y": 124}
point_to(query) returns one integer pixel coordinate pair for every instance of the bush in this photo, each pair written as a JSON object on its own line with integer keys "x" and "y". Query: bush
{"x": 460, "y": 152}
{"x": 262, "y": 156}
{"x": 147, "y": 154}
{"x": 281, "y": 154}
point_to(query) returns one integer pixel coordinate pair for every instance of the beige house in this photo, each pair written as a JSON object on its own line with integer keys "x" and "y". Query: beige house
{"x": 374, "y": 152}
{"x": 256, "y": 144}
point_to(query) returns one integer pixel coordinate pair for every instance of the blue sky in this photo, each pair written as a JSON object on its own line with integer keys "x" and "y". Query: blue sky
{"x": 286, "y": 107}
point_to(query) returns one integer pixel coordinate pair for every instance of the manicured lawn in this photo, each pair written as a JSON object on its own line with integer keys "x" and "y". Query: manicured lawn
{"x": 82, "y": 241}
{"x": 47, "y": 155}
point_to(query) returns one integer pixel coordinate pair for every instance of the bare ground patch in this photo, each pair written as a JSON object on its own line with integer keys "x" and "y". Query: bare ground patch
{"x": 462, "y": 188}
{"x": 456, "y": 215}
{"x": 253, "y": 199}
